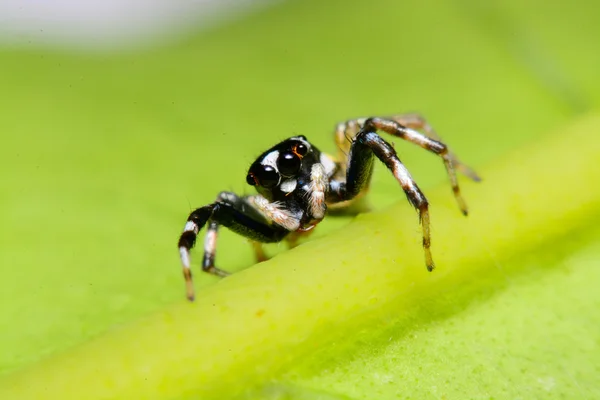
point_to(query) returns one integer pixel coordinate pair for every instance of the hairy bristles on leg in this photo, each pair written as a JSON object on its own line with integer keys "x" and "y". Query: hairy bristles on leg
{"x": 318, "y": 187}
{"x": 276, "y": 212}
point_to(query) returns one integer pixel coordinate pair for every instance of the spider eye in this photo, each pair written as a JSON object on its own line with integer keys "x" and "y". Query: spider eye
{"x": 250, "y": 179}
{"x": 300, "y": 149}
{"x": 288, "y": 164}
{"x": 268, "y": 177}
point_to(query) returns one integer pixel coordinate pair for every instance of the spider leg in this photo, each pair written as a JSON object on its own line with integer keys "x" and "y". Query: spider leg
{"x": 259, "y": 252}
{"x": 344, "y": 134}
{"x": 402, "y": 126}
{"x": 210, "y": 248}
{"x": 417, "y": 121}
{"x": 365, "y": 145}
{"x": 236, "y": 213}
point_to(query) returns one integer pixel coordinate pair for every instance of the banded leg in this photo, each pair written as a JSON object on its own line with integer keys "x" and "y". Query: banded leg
{"x": 196, "y": 221}
{"x": 234, "y": 213}
{"x": 429, "y": 141}
{"x": 344, "y": 135}
{"x": 418, "y": 122}
{"x": 210, "y": 248}
{"x": 360, "y": 168}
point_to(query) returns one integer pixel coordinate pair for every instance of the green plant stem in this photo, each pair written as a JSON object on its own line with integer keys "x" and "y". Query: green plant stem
{"x": 247, "y": 327}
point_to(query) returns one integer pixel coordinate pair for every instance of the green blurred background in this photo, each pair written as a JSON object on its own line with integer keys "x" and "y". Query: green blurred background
{"x": 104, "y": 154}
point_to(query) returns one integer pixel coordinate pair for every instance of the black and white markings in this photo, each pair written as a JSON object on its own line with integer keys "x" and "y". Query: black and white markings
{"x": 190, "y": 228}
{"x": 271, "y": 159}
{"x": 210, "y": 247}
{"x": 288, "y": 186}
{"x": 329, "y": 164}
{"x": 276, "y": 212}
{"x": 296, "y": 183}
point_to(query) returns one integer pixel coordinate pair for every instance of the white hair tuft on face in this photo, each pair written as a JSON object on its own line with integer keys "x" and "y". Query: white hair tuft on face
{"x": 288, "y": 186}
{"x": 271, "y": 159}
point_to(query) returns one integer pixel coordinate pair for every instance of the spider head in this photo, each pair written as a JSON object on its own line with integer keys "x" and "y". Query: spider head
{"x": 279, "y": 168}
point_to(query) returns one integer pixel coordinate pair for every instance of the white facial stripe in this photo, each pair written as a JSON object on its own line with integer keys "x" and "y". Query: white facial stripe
{"x": 271, "y": 159}
{"x": 288, "y": 186}
{"x": 328, "y": 164}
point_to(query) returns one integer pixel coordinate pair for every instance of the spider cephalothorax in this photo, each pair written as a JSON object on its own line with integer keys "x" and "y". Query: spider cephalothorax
{"x": 292, "y": 176}
{"x": 296, "y": 183}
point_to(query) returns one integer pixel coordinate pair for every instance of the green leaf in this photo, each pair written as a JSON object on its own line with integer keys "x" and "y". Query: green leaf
{"x": 104, "y": 156}
{"x": 367, "y": 285}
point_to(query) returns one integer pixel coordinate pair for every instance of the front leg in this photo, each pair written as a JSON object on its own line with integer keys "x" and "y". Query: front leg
{"x": 418, "y": 122}
{"x": 360, "y": 168}
{"x": 237, "y": 214}
{"x": 403, "y": 126}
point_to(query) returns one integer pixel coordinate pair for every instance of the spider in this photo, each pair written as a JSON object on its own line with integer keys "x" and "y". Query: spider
{"x": 297, "y": 183}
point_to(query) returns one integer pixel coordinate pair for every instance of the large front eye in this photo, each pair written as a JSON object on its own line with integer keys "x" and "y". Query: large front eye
{"x": 267, "y": 176}
{"x": 288, "y": 164}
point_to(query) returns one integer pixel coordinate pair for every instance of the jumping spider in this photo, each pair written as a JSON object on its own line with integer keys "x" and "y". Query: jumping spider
{"x": 297, "y": 183}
